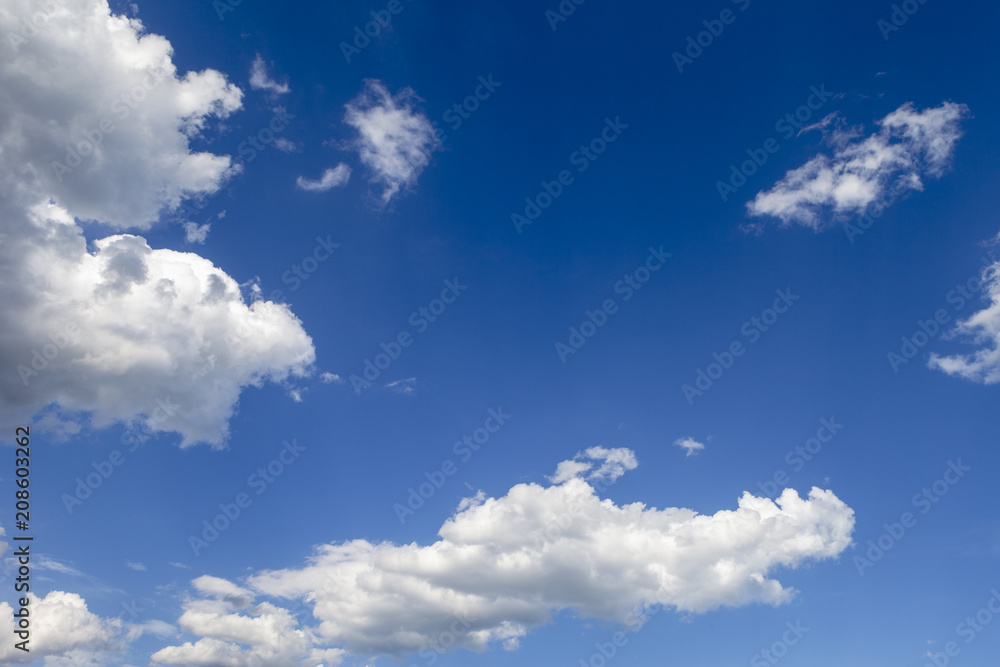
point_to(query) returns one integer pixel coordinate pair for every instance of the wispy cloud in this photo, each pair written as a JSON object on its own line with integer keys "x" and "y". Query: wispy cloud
{"x": 395, "y": 140}
{"x": 690, "y": 445}
{"x": 260, "y": 80}
{"x": 909, "y": 146}
{"x": 330, "y": 179}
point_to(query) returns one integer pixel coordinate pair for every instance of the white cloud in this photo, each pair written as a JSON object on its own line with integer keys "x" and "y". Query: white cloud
{"x": 284, "y": 145}
{"x": 138, "y": 567}
{"x": 909, "y": 146}
{"x": 330, "y": 179}
{"x": 689, "y": 444}
{"x": 234, "y": 636}
{"x": 63, "y": 628}
{"x": 983, "y": 328}
{"x": 395, "y": 140}
{"x": 327, "y": 378}
{"x": 147, "y": 327}
{"x": 614, "y": 464}
{"x": 503, "y": 566}
{"x": 406, "y": 387}
{"x": 86, "y": 69}
{"x": 259, "y": 79}
{"x": 195, "y": 233}
{"x": 48, "y": 563}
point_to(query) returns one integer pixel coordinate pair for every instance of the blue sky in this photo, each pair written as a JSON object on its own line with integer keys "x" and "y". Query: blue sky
{"x": 367, "y": 200}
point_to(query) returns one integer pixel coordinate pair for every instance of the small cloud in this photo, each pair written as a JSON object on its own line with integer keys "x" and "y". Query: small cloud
{"x": 259, "y": 79}
{"x": 46, "y": 563}
{"x": 689, "y": 444}
{"x": 327, "y": 378}
{"x": 138, "y": 567}
{"x": 285, "y": 146}
{"x": 614, "y": 463}
{"x": 181, "y": 566}
{"x": 395, "y": 140}
{"x": 296, "y": 394}
{"x": 405, "y": 387}
{"x": 195, "y": 233}
{"x": 331, "y": 178}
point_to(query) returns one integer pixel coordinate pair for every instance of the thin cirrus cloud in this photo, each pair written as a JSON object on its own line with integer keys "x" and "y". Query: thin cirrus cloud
{"x": 489, "y": 578}
{"x": 983, "y": 328}
{"x": 395, "y": 140}
{"x": 120, "y": 332}
{"x": 260, "y": 80}
{"x": 330, "y": 179}
{"x": 909, "y": 146}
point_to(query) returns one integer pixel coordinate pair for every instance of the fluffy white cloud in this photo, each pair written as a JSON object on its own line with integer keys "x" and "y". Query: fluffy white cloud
{"x": 96, "y": 116}
{"x": 910, "y": 145}
{"x": 983, "y": 328}
{"x": 119, "y": 331}
{"x": 260, "y": 80}
{"x": 395, "y": 141}
{"x": 503, "y": 566}
{"x": 690, "y": 445}
{"x": 61, "y": 627}
{"x": 330, "y": 179}
{"x": 236, "y": 635}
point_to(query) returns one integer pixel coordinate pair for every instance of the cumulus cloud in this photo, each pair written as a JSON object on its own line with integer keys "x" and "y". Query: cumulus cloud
{"x": 97, "y": 117}
{"x": 260, "y": 80}
{"x": 983, "y": 328}
{"x": 235, "y": 635}
{"x": 395, "y": 140}
{"x": 327, "y": 378}
{"x": 330, "y": 179}
{"x": 503, "y": 566}
{"x": 690, "y": 445}
{"x": 63, "y": 628}
{"x": 118, "y": 331}
{"x": 909, "y": 146}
